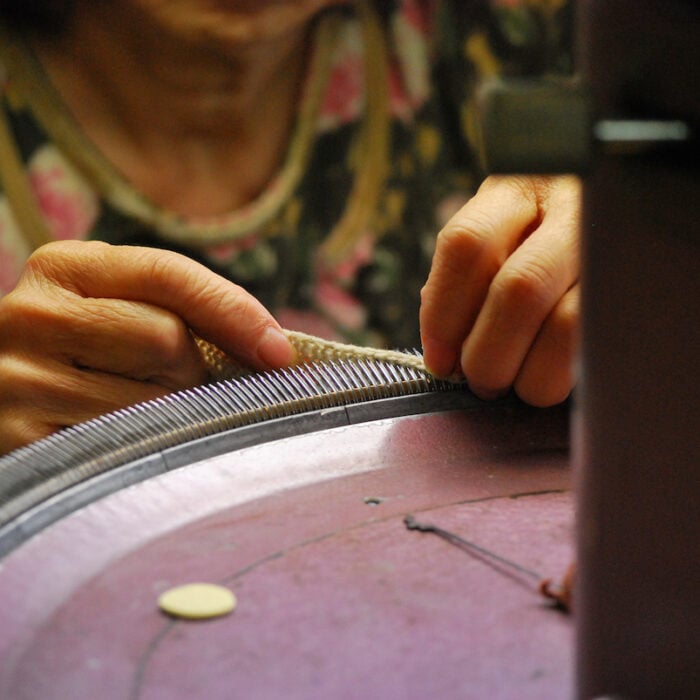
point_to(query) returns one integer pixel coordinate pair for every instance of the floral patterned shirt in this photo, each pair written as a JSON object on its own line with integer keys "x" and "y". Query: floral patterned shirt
{"x": 437, "y": 52}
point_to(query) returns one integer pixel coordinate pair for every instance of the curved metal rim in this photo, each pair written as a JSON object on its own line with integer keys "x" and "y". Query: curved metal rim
{"x": 58, "y": 475}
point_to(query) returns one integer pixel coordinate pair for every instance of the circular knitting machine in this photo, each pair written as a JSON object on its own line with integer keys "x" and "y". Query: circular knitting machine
{"x": 384, "y": 533}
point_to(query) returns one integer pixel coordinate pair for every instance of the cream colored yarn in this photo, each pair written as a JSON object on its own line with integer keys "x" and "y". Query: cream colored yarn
{"x": 309, "y": 349}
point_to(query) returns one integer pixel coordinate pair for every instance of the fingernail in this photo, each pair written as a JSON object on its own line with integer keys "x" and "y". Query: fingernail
{"x": 487, "y": 394}
{"x": 442, "y": 370}
{"x": 274, "y": 349}
{"x": 439, "y": 361}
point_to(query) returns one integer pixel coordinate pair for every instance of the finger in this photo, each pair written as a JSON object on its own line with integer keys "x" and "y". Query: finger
{"x": 469, "y": 252}
{"x": 18, "y": 431}
{"x": 214, "y": 308}
{"x": 547, "y": 375}
{"x": 135, "y": 340}
{"x": 42, "y": 397}
{"x": 521, "y": 296}
{"x": 155, "y": 346}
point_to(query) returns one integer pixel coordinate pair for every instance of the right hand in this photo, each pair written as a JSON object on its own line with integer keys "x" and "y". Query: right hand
{"x": 91, "y": 328}
{"x": 501, "y": 301}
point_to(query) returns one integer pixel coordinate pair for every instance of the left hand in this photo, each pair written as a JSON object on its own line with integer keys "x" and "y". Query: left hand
{"x": 501, "y": 300}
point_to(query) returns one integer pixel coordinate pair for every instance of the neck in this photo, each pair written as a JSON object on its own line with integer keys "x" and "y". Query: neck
{"x": 180, "y": 114}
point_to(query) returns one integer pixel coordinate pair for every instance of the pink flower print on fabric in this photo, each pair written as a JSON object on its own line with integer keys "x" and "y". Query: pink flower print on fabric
{"x": 344, "y": 96}
{"x": 409, "y": 69}
{"x": 225, "y": 252}
{"x": 68, "y": 204}
{"x": 339, "y": 305}
{"x": 331, "y": 293}
{"x": 448, "y": 206}
{"x": 399, "y": 101}
{"x": 410, "y": 77}
{"x": 419, "y": 14}
{"x": 345, "y": 271}
{"x": 310, "y": 322}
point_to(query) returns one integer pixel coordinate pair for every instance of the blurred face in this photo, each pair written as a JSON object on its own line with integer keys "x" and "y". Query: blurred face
{"x": 239, "y": 21}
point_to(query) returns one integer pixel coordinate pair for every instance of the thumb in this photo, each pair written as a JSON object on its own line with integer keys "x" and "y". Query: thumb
{"x": 216, "y": 309}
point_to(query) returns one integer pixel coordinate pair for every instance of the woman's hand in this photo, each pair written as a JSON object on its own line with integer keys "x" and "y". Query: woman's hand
{"x": 92, "y": 327}
{"x": 501, "y": 301}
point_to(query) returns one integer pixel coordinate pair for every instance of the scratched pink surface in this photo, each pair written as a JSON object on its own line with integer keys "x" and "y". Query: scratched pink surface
{"x": 336, "y": 598}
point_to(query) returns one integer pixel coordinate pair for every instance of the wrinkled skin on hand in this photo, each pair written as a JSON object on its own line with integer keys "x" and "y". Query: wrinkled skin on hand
{"x": 92, "y": 327}
{"x": 501, "y": 302}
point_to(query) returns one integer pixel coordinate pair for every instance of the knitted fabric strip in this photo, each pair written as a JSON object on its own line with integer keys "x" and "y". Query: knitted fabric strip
{"x": 309, "y": 349}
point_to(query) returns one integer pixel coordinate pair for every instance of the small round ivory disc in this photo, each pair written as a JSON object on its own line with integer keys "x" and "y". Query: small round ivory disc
{"x": 197, "y": 601}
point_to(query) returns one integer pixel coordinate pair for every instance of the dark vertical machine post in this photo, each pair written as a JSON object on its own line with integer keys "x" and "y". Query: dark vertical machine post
{"x": 637, "y": 414}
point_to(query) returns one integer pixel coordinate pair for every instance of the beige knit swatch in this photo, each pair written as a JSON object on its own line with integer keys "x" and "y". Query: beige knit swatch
{"x": 309, "y": 349}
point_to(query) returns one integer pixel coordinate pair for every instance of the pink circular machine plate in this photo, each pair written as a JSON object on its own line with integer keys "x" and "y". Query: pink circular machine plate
{"x": 336, "y": 597}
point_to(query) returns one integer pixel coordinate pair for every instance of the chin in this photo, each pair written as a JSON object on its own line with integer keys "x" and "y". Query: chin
{"x": 237, "y": 21}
